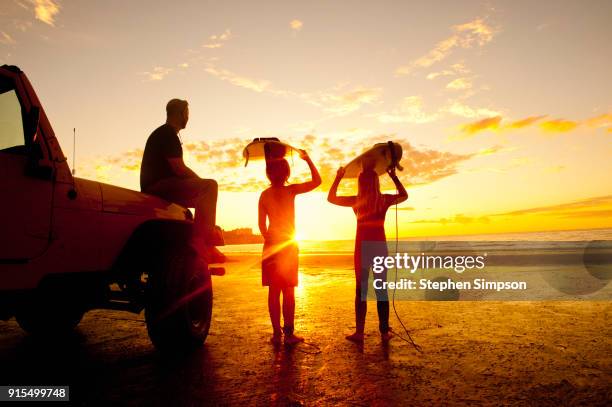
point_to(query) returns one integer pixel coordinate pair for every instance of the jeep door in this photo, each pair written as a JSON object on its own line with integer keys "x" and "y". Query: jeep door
{"x": 25, "y": 192}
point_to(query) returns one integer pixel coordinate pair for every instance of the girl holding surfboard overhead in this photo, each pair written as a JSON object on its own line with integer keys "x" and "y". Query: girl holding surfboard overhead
{"x": 370, "y": 207}
{"x": 280, "y": 251}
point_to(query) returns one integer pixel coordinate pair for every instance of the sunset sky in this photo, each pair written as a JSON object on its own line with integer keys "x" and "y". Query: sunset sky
{"x": 503, "y": 108}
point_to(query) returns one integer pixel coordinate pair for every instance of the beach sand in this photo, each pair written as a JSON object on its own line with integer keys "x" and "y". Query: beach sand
{"x": 477, "y": 353}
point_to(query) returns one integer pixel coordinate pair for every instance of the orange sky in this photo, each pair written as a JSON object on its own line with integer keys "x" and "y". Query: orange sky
{"x": 503, "y": 109}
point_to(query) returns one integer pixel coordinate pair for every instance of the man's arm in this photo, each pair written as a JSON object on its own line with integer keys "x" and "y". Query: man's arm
{"x": 180, "y": 169}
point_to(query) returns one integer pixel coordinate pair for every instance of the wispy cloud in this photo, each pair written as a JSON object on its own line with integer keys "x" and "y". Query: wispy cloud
{"x": 473, "y": 33}
{"x": 157, "y": 73}
{"x": 455, "y": 69}
{"x": 458, "y": 108}
{"x": 458, "y": 218}
{"x": 339, "y": 100}
{"x": 410, "y": 110}
{"x": 494, "y": 123}
{"x": 558, "y": 125}
{"x": 459, "y": 84}
{"x": 296, "y": 25}
{"x": 528, "y": 121}
{"x": 574, "y": 208}
{"x": 257, "y": 85}
{"x": 596, "y": 207}
{"x": 217, "y": 40}
{"x": 46, "y": 10}
{"x": 6, "y": 39}
{"x": 490, "y": 123}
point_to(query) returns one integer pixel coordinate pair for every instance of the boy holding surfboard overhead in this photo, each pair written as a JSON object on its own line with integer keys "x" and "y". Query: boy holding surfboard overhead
{"x": 370, "y": 207}
{"x": 280, "y": 252}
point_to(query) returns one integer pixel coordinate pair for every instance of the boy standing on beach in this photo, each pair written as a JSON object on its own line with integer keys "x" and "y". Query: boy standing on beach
{"x": 280, "y": 251}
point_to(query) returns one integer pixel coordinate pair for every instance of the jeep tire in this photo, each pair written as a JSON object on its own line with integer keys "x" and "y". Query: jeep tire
{"x": 48, "y": 312}
{"x": 179, "y": 300}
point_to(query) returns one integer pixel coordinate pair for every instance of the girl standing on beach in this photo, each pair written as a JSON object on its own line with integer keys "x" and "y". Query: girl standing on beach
{"x": 280, "y": 252}
{"x": 370, "y": 207}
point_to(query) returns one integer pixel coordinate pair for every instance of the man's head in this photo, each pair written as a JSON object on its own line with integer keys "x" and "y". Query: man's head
{"x": 177, "y": 113}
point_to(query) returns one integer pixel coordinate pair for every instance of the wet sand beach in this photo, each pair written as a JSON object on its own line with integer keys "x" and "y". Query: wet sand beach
{"x": 476, "y": 353}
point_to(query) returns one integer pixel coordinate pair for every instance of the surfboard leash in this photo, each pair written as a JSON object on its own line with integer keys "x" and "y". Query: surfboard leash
{"x": 409, "y": 339}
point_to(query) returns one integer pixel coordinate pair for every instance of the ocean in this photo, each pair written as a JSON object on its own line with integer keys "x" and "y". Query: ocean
{"x": 553, "y": 239}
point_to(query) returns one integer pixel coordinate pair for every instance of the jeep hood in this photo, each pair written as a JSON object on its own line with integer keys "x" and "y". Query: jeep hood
{"x": 129, "y": 202}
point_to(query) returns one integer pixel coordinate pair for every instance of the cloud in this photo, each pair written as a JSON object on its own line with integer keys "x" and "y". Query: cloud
{"x": 458, "y": 68}
{"x": 157, "y": 74}
{"x": 410, "y": 110}
{"x": 458, "y": 218}
{"x": 46, "y": 10}
{"x": 217, "y": 40}
{"x": 597, "y": 207}
{"x": 602, "y": 120}
{"x": 558, "y": 126}
{"x": 489, "y": 123}
{"x": 222, "y": 159}
{"x": 6, "y": 39}
{"x": 460, "y": 109}
{"x": 528, "y": 121}
{"x": 583, "y": 207}
{"x": 459, "y": 84}
{"x": 257, "y": 85}
{"x": 548, "y": 126}
{"x": 338, "y": 100}
{"x": 494, "y": 150}
{"x": 296, "y": 25}
{"x": 475, "y": 32}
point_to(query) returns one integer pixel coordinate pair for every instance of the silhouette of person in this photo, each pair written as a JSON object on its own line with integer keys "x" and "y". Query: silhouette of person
{"x": 370, "y": 207}
{"x": 163, "y": 173}
{"x": 279, "y": 264}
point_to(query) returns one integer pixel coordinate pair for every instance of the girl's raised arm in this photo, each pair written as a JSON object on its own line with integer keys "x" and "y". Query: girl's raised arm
{"x": 402, "y": 194}
{"x": 333, "y": 197}
{"x": 314, "y": 173}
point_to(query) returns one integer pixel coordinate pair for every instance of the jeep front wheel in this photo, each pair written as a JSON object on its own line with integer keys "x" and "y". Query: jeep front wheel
{"x": 44, "y": 313}
{"x": 179, "y": 300}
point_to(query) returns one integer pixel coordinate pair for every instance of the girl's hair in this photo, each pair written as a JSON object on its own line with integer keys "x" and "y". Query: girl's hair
{"x": 369, "y": 197}
{"x": 278, "y": 171}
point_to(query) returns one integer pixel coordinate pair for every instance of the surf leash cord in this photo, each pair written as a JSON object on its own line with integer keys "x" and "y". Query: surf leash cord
{"x": 408, "y": 338}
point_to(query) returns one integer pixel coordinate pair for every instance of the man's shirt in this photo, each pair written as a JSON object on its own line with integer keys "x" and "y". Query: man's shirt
{"x": 161, "y": 145}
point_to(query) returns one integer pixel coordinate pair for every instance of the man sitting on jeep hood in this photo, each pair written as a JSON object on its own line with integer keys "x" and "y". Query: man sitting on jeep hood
{"x": 163, "y": 173}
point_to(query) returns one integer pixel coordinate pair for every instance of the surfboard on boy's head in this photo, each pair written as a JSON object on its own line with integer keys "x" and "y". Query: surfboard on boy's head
{"x": 268, "y": 148}
{"x": 378, "y": 158}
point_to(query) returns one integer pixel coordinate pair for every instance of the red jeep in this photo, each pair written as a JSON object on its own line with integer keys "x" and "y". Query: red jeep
{"x": 69, "y": 245}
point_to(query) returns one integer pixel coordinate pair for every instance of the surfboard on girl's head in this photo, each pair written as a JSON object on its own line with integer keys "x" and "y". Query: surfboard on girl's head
{"x": 379, "y": 158}
{"x": 266, "y": 148}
